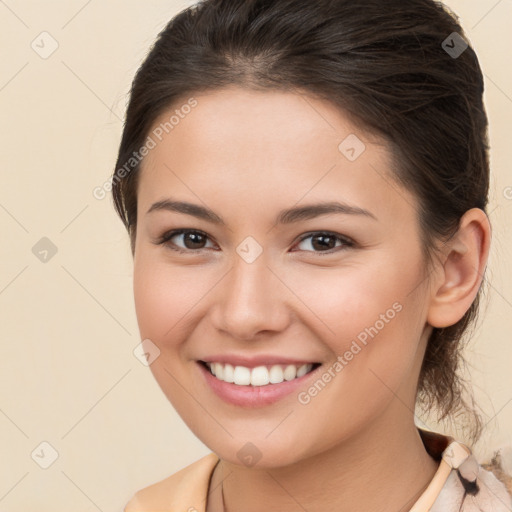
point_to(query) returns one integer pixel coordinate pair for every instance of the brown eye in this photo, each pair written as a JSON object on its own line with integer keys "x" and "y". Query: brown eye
{"x": 193, "y": 240}
{"x": 185, "y": 240}
{"x": 325, "y": 242}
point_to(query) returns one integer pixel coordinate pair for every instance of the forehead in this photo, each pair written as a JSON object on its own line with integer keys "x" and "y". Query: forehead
{"x": 272, "y": 119}
{"x": 264, "y": 147}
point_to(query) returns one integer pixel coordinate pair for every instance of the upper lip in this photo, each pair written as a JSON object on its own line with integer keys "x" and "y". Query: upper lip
{"x": 253, "y": 361}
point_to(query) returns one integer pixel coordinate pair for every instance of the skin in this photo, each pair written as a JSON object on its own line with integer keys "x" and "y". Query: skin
{"x": 247, "y": 155}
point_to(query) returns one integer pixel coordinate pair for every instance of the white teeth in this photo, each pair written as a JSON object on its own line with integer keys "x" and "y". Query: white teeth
{"x": 302, "y": 370}
{"x": 229, "y": 373}
{"x": 290, "y": 372}
{"x": 258, "y": 376}
{"x": 219, "y": 371}
{"x": 276, "y": 374}
{"x": 242, "y": 375}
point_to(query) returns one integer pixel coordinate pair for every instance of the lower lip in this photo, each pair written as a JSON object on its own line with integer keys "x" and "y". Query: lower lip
{"x": 253, "y": 396}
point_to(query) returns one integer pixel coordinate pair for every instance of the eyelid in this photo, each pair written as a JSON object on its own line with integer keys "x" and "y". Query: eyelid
{"x": 165, "y": 238}
{"x": 346, "y": 241}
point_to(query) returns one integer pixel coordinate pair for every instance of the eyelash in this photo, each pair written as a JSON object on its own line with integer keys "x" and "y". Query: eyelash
{"x": 165, "y": 238}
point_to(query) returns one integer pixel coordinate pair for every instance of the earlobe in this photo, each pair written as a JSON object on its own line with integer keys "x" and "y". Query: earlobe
{"x": 465, "y": 258}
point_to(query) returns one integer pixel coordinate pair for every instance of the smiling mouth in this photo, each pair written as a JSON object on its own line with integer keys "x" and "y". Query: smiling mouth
{"x": 259, "y": 375}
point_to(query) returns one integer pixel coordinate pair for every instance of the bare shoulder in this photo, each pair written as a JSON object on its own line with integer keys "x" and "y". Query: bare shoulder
{"x": 184, "y": 490}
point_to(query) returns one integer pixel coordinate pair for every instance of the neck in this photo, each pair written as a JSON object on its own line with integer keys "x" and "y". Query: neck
{"x": 384, "y": 467}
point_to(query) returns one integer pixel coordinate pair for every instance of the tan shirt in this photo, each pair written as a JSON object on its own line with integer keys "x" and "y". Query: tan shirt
{"x": 459, "y": 485}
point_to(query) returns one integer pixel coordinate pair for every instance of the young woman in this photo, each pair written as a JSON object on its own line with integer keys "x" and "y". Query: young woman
{"x": 305, "y": 188}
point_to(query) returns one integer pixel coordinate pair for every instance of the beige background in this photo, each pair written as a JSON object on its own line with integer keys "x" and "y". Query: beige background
{"x": 68, "y": 327}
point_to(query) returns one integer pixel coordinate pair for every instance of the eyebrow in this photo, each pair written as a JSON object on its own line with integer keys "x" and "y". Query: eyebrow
{"x": 288, "y": 216}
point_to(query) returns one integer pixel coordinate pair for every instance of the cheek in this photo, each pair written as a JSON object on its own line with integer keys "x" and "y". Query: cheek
{"x": 371, "y": 322}
{"x": 164, "y": 298}
{"x": 355, "y": 300}
{"x": 164, "y": 302}
{"x": 152, "y": 300}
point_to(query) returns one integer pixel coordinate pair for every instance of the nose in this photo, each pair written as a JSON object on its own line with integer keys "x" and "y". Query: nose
{"x": 251, "y": 301}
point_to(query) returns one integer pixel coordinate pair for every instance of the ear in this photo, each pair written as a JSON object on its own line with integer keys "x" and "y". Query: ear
{"x": 459, "y": 277}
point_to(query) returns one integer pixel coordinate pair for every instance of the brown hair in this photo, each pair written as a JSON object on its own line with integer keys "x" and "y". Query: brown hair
{"x": 387, "y": 65}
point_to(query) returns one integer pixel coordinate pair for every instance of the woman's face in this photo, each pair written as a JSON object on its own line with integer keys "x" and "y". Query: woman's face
{"x": 275, "y": 277}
